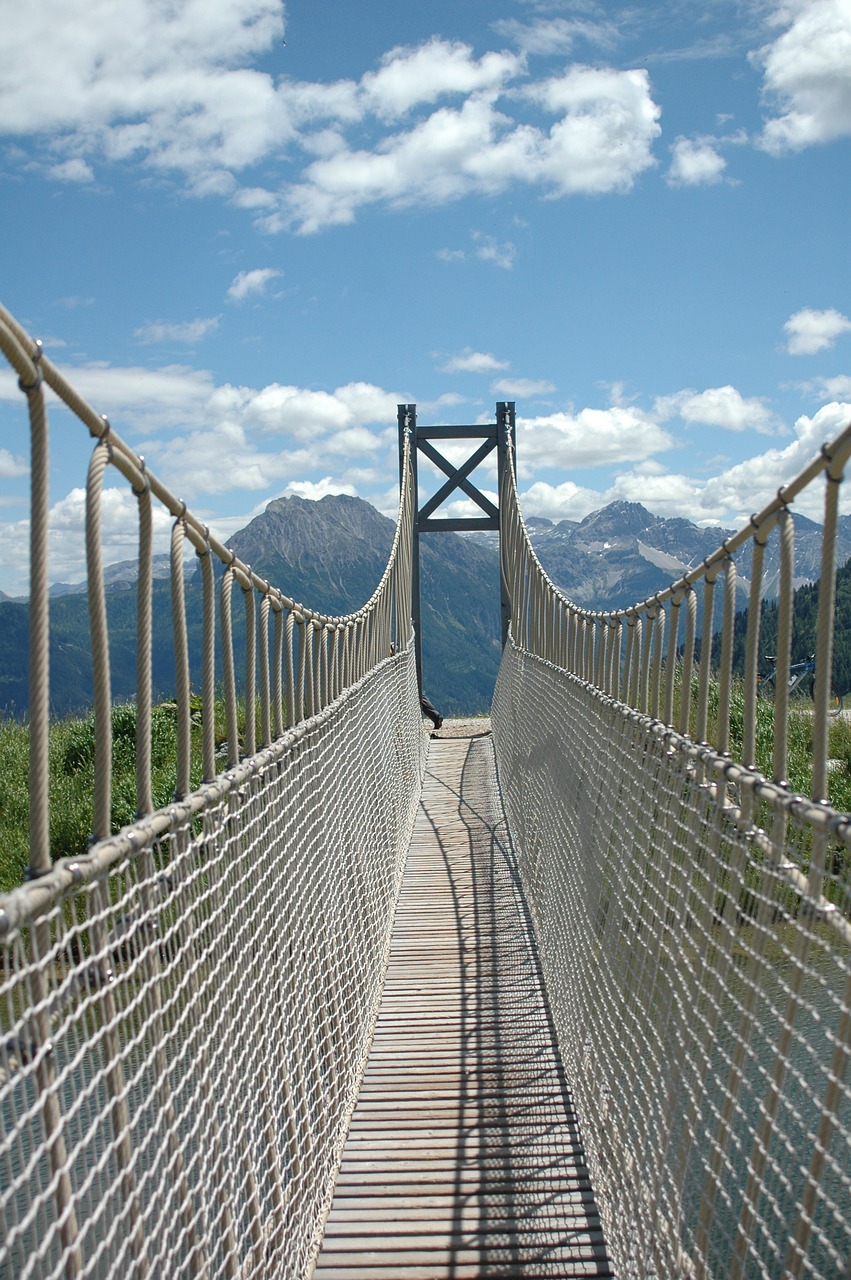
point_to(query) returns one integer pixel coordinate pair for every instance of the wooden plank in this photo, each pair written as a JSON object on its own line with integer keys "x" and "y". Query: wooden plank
{"x": 464, "y": 1156}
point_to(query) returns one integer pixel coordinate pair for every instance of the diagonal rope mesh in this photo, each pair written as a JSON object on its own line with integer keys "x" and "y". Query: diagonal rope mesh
{"x": 185, "y": 1008}
{"x": 693, "y": 910}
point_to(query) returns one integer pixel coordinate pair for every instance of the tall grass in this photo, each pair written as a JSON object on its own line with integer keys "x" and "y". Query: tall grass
{"x": 72, "y": 750}
{"x": 72, "y": 773}
{"x": 800, "y": 742}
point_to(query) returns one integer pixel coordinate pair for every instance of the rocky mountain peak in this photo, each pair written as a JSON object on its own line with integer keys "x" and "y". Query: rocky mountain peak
{"x": 616, "y": 520}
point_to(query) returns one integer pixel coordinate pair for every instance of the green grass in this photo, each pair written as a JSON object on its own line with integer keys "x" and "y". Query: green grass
{"x": 800, "y": 743}
{"x": 72, "y": 744}
{"x": 72, "y": 755}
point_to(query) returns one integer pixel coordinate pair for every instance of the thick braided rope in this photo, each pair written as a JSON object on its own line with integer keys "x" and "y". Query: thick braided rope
{"x": 694, "y": 916}
{"x": 185, "y": 1008}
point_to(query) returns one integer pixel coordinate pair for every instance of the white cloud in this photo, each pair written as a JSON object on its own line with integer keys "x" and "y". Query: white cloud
{"x": 718, "y": 407}
{"x": 567, "y": 501}
{"x": 255, "y": 198}
{"x": 167, "y": 331}
{"x": 208, "y": 424}
{"x": 590, "y": 438}
{"x": 548, "y": 36}
{"x": 450, "y": 255}
{"x": 749, "y": 486}
{"x": 470, "y": 361}
{"x": 149, "y": 398}
{"x": 412, "y": 77}
{"x": 174, "y": 90}
{"x": 522, "y": 388}
{"x": 490, "y": 250}
{"x": 603, "y": 140}
{"x": 254, "y": 283}
{"x": 663, "y": 494}
{"x": 12, "y": 468}
{"x": 140, "y": 79}
{"x": 221, "y": 458}
{"x": 838, "y": 388}
{"x": 73, "y": 170}
{"x": 368, "y": 403}
{"x": 807, "y": 72}
{"x": 811, "y": 331}
{"x": 728, "y": 498}
{"x": 319, "y": 488}
{"x": 696, "y": 162}
{"x": 282, "y": 410}
{"x": 600, "y": 142}
{"x": 66, "y": 540}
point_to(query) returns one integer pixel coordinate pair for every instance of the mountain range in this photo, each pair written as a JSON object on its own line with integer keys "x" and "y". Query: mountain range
{"x": 331, "y": 554}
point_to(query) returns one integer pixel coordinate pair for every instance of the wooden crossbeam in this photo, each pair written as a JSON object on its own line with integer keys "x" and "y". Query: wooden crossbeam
{"x": 494, "y": 436}
{"x": 458, "y": 480}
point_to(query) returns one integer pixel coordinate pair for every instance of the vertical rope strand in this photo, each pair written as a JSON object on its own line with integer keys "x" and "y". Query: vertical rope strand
{"x": 144, "y": 622}
{"x": 39, "y": 624}
{"x": 100, "y": 643}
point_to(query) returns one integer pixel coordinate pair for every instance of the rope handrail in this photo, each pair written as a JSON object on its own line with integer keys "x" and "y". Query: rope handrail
{"x": 369, "y": 628}
{"x": 693, "y": 908}
{"x": 185, "y": 1006}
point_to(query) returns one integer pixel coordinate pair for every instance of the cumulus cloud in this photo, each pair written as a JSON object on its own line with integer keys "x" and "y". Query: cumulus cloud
{"x": 728, "y": 498}
{"x": 749, "y": 486}
{"x": 135, "y": 396}
{"x": 67, "y": 534}
{"x": 413, "y": 77}
{"x": 719, "y": 407}
{"x": 319, "y": 488}
{"x": 176, "y": 91}
{"x": 469, "y": 361}
{"x": 664, "y": 494}
{"x": 602, "y": 126}
{"x": 367, "y": 403}
{"x": 567, "y": 501}
{"x": 169, "y": 85}
{"x": 811, "y": 331}
{"x": 254, "y": 283}
{"x": 696, "y": 162}
{"x": 168, "y": 331}
{"x": 807, "y": 75}
{"x": 592, "y": 437}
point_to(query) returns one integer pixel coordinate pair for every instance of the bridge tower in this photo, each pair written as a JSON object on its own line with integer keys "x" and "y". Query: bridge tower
{"x": 494, "y": 436}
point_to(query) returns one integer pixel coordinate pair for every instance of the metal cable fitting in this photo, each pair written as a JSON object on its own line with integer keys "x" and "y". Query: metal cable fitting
{"x": 29, "y": 387}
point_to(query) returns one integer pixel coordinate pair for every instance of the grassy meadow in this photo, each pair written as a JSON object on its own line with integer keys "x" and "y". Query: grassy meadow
{"x": 72, "y": 745}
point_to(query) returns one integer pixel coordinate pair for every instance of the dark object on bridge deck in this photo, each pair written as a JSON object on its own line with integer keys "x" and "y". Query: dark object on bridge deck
{"x": 428, "y": 709}
{"x": 464, "y": 1157}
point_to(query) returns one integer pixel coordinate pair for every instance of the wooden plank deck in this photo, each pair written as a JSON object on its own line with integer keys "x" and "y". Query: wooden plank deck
{"x": 463, "y": 1157}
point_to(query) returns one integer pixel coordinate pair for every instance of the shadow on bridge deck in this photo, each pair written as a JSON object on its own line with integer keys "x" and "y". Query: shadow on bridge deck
{"x": 463, "y": 1157}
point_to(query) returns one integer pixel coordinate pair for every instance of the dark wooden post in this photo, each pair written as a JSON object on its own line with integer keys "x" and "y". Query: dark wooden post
{"x": 494, "y": 435}
{"x": 505, "y": 433}
{"x": 406, "y": 416}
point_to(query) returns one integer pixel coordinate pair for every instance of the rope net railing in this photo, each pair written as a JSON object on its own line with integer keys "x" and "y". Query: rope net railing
{"x": 186, "y": 1006}
{"x": 693, "y": 908}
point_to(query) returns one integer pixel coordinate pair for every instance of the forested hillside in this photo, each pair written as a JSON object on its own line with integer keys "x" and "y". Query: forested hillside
{"x": 804, "y": 627}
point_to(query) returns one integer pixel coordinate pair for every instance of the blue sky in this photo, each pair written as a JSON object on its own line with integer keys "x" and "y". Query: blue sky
{"x": 247, "y": 229}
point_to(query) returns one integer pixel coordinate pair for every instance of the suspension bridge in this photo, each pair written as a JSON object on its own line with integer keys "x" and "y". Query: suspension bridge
{"x": 563, "y": 993}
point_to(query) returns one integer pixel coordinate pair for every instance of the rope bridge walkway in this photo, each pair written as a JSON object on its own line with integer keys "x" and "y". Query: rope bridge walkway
{"x": 463, "y": 1156}
{"x": 649, "y": 950}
